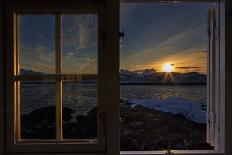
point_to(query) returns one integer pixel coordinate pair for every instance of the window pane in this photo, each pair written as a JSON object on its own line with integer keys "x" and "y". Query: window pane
{"x": 163, "y": 76}
{"x": 36, "y": 44}
{"x": 37, "y": 100}
{"x": 80, "y": 56}
{"x": 37, "y": 57}
{"x": 80, "y": 110}
{"x": 79, "y": 44}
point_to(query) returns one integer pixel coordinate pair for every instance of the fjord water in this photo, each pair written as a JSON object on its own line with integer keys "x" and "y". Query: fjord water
{"x": 82, "y": 97}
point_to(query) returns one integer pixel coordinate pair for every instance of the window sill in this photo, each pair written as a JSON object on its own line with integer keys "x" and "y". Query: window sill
{"x": 188, "y": 152}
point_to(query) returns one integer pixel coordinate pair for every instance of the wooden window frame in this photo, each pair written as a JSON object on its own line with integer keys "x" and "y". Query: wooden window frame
{"x": 11, "y": 9}
{"x": 58, "y": 79}
{"x": 1, "y": 82}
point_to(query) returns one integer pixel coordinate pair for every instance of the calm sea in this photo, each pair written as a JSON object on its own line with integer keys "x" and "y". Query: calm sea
{"x": 83, "y": 97}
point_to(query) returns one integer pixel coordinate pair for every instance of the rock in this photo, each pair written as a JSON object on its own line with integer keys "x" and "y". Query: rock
{"x": 85, "y": 126}
{"x": 149, "y": 129}
{"x": 40, "y": 123}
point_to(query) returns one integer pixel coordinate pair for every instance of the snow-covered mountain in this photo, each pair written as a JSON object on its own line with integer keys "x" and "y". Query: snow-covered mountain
{"x": 30, "y": 72}
{"x": 150, "y": 76}
{"x": 149, "y": 72}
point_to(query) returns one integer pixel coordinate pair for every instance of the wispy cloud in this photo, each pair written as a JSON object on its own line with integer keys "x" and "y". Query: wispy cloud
{"x": 188, "y": 67}
{"x": 79, "y": 31}
{"x": 37, "y": 58}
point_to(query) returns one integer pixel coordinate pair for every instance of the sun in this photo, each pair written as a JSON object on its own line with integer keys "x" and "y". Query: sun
{"x": 168, "y": 68}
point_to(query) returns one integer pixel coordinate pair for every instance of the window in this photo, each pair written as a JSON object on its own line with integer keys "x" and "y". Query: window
{"x": 61, "y": 78}
{"x": 77, "y": 63}
{"x": 56, "y": 54}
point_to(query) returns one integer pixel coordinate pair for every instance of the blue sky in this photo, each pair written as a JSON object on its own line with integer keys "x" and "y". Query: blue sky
{"x": 155, "y": 34}
{"x": 79, "y": 43}
{"x": 162, "y": 33}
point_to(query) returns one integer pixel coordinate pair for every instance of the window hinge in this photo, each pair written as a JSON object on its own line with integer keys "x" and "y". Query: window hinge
{"x": 121, "y": 35}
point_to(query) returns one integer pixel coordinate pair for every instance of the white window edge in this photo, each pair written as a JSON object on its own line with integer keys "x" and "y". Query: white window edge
{"x": 189, "y": 152}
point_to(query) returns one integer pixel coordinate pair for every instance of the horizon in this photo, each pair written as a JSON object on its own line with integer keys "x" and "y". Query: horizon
{"x": 135, "y": 71}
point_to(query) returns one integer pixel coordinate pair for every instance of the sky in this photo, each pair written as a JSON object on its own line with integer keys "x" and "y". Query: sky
{"x": 155, "y": 34}
{"x": 79, "y": 43}
{"x": 165, "y": 33}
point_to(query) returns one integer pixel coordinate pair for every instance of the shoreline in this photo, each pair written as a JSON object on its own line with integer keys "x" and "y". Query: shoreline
{"x": 168, "y": 84}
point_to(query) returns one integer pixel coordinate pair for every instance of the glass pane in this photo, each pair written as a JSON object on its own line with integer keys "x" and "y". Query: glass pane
{"x": 80, "y": 110}
{"x": 80, "y": 56}
{"x": 163, "y": 76}
{"x": 36, "y": 44}
{"x": 37, "y": 101}
{"x": 79, "y": 44}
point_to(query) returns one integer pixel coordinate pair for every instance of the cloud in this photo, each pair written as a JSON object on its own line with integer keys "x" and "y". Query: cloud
{"x": 38, "y": 58}
{"x": 79, "y": 32}
{"x": 126, "y": 11}
{"x": 199, "y": 52}
{"x": 183, "y": 61}
{"x": 44, "y": 55}
{"x": 91, "y": 59}
{"x": 188, "y": 67}
{"x": 178, "y": 43}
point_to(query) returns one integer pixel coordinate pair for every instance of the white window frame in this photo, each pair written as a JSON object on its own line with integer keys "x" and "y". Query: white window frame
{"x": 13, "y": 146}
{"x": 216, "y": 94}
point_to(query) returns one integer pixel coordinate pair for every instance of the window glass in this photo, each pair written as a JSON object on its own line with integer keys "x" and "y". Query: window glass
{"x": 38, "y": 109}
{"x": 80, "y": 94}
{"x": 37, "y": 58}
{"x": 79, "y": 44}
{"x": 36, "y": 44}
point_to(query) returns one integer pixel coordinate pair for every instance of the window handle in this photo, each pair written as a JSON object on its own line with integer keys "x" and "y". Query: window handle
{"x": 121, "y": 34}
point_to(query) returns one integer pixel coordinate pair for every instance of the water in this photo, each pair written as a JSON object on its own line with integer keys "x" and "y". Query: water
{"x": 83, "y": 97}
{"x": 196, "y": 93}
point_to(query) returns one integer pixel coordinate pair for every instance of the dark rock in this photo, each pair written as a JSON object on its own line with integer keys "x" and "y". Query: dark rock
{"x": 155, "y": 130}
{"x": 85, "y": 126}
{"x": 40, "y": 123}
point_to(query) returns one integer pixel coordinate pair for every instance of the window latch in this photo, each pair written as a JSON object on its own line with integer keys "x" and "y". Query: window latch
{"x": 169, "y": 151}
{"x": 121, "y": 34}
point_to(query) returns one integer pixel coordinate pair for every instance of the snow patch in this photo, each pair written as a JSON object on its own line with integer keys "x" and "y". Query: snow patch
{"x": 192, "y": 110}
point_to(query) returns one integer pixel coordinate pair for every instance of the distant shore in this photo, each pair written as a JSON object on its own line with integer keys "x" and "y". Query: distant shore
{"x": 123, "y": 83}
{"x": 163, "y": 83}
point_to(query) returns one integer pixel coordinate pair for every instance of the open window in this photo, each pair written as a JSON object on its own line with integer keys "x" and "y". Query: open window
{"x": 171, "y": 77}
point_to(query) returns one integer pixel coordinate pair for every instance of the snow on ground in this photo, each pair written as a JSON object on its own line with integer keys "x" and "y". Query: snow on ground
{"x": 192, "y": 110}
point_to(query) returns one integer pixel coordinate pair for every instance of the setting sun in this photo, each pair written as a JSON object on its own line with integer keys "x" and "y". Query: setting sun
{"x": 168, "y": 68}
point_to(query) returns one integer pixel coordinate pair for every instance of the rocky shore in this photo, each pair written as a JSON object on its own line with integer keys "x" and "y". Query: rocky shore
{"x": 141, "y": 128}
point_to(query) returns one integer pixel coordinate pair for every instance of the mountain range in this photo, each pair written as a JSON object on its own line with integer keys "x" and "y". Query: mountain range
{"x": 149, "y": 76}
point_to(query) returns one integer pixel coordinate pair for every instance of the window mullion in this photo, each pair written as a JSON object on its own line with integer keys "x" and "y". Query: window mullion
{"x": 17, "y": 83}
{"x": 58, "y": 79}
